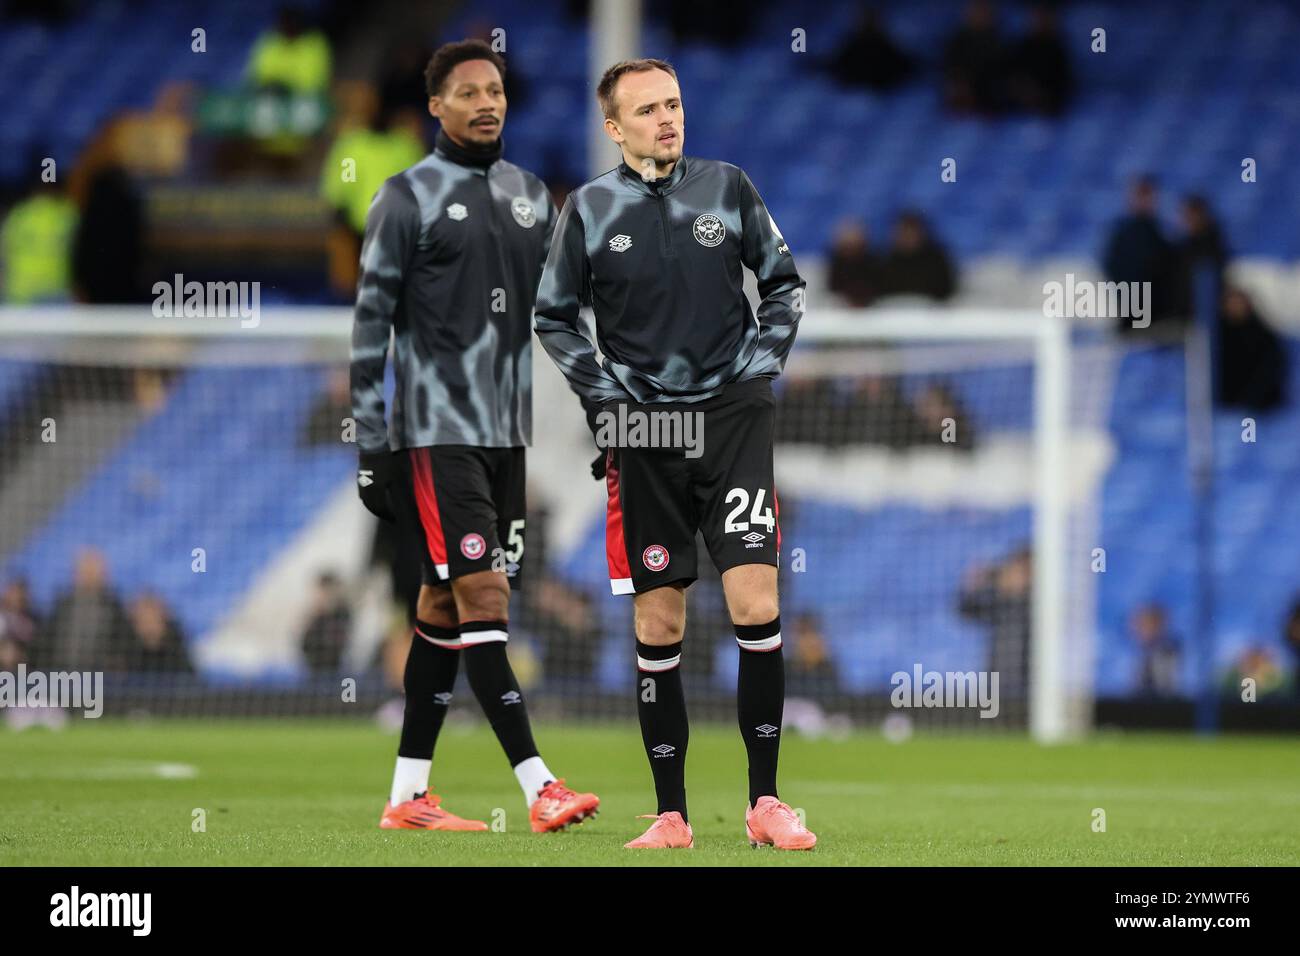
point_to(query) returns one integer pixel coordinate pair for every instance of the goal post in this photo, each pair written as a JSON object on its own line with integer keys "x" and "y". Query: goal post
{"x": 1056, "y": 711}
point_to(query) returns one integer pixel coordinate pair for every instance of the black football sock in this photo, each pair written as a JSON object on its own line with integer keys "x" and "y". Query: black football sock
{"x": 430, "y": 677}
{"x": 493, "y": 682}
{"x": 760, "y": 702}
{"x": 661, "y": 707}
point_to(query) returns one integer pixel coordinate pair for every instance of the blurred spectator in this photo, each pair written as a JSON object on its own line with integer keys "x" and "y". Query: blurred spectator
{"x": 998, "y": 595}
{"x": 291, "y": 58}
{"x": 1257, "y": 663}
{"x": 870, "y": 57}
{"x": 390, "y": 661}
{"x": 88, "y": 630}
{"x": 1252, "y": 360}
{"x": 1038, "y": 75}
{"x": 357, "y": 165}
{"x": 12, "y": 651}
{"x": 942, "y": 420}
{"x": 1160, "y": 653}
{"x": 108, "y": 249}
{"x": 805, "y": 415}
{"x": 712, "y": 634}
{"x": 810, "y": 669}
{"x": 36, "y": 242}
{"x": 876, "y": 412}
{"x": 325, "y": 423}
{"x": 972, "y": 62}
{"x": 401, "y": 85}
{"x": 854, "y": 269}
{"x": 917, "y": 263}
{"x": 721, "y": 23}
{"x": 1292, "y": 640}
{"x": 1202, "y": 245}
{"x": 1137, "y": 251}
{"x": 18, "y": 620}
{"x": 879, "y": 414}
{"x": 18, "y": 625}
{"x": 159, "y": 645}
{"x": 326, "y": 636}
{"x": 53, "y": 12}
{"x": 566, "y": 622}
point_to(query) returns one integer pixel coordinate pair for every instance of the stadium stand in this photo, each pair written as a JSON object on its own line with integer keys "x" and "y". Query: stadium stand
{"x": 1049, "y": 189}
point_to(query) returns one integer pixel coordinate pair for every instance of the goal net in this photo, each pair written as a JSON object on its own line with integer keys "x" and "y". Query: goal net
{"x": 177, "y": 510}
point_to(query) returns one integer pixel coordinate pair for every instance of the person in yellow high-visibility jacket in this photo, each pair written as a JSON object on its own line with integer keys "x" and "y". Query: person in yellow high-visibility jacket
{"x": 357, "y": 165}
{"x": 36, "y": 247}
{"x": 291, "y": 57}
{"x": 359, "y": 162}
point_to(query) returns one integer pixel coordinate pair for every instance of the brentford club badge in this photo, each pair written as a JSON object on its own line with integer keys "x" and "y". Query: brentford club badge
{"x": 523, "y": 212}
{"x": 709, "y": 230}
{"x": 473, "y": 546}
{"x": 655, "y": 557}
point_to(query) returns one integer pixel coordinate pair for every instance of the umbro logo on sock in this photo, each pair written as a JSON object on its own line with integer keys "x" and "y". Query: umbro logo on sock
{"x": 512, "y": 697}
{"x": 664, "y": 750}
{"x": 444, "y": 698}
{"x": 766, "y": 730}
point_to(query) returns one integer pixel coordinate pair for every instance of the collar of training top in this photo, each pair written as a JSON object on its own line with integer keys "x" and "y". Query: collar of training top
{"x": 655, "y": 185}
{"x": 481, "y": 156}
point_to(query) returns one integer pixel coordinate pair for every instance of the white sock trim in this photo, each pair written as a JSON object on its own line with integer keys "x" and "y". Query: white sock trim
{"x": 762, "y": 644}
{"x": 655, "y": 667}
{"x": 532, "y": 775}
{"x": 470, "y": 638}
{"x": 410, "y": 776}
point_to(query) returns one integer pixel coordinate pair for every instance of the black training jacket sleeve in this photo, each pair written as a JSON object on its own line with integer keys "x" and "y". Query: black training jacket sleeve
{"x": 765, "y": 253}
{"x": 392, "y": 231}
{"x": 560, "y": 297}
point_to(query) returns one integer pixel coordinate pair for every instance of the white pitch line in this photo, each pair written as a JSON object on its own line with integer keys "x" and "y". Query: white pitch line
{"x": 121, "y": 770}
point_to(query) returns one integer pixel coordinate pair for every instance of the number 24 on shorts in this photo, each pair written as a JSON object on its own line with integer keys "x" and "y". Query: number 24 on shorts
{"x": 758, "y": 514}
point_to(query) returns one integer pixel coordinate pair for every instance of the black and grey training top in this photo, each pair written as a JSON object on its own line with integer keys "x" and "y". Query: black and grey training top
{"x": 453, "y": 252}
{"x": 660, "y": 264}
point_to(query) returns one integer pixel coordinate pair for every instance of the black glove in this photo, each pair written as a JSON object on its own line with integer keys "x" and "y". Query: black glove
{"x": 375, "y": 472}
{"x": 592, "y": 409}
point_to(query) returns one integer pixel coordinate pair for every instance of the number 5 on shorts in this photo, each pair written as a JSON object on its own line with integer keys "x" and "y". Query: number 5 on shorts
{"x": 515, "y": 541}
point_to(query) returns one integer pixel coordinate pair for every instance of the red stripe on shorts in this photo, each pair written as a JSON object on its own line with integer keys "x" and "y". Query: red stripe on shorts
{"x": 615, "y": 544}
{"x": 427, "y": 501}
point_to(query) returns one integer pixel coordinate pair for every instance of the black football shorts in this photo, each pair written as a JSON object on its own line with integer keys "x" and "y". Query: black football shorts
{"x": 466, "y": 504}
{"x": 659, "y": 498}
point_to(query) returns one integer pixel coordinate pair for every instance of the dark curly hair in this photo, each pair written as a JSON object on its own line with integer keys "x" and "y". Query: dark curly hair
{"x": 448, "y": 56}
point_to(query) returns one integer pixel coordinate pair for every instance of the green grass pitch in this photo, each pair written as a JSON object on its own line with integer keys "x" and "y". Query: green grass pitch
{"x": 302, "y": 793}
